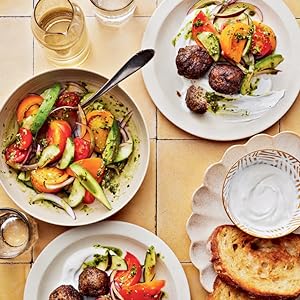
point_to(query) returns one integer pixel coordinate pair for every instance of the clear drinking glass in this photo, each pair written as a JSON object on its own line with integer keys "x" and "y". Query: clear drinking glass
{"x": 113, "y": 12}
{"x": 18, "y": 233}
{"x": 60, "y": 28}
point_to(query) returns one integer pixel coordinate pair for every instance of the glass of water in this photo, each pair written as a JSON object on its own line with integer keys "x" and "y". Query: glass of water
{"x": 59, "y": 26}
{"x": 18, "y": 233}
{"x": 113, "y": 12}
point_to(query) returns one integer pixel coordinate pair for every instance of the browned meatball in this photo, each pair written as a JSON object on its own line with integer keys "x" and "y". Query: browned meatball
{"x": 193, "y": 61}
{"x": 65, "y": 292}
{"x": 195, "y": 99}
{"x": 93, "y": 282}
{"x": 226, "y": 79}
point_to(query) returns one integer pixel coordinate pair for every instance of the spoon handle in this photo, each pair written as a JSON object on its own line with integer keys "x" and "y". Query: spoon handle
{"x": 133, "y": 64}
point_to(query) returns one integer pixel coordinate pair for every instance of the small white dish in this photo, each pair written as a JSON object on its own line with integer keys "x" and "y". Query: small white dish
{"x": 207, "y": 207}
{"x": 261, "y": 193}
{"x": 163, "y": 82}
{"x": 46, "y": 273}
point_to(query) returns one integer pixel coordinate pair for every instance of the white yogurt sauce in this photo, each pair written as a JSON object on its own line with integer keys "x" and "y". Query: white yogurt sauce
{"x": 262, "y": 197}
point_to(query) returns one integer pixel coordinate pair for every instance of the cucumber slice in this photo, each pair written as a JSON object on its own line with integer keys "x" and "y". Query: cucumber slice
{"x": 125, "y": 149}
{"x": 77, "y": 194}
{"x": 118, "y": 263}
{"x": 47, "y": 155}
{"x": 211, "y": 44}
{"x": 24, "y": 176}
{"x": 149, "y": 264}
{"x": 269, "y": 62}
{"x": 90, "y": 183}
{"x": 68, "y": 155}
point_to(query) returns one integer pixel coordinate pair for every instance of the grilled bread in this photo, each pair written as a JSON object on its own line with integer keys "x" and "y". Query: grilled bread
{"x": 223, "y": 291}
{"x": 262, "y": 267}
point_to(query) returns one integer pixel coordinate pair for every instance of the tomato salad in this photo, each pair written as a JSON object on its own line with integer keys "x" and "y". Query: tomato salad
{"x": 65, "y": 152}
{"x": 107, "y": 274}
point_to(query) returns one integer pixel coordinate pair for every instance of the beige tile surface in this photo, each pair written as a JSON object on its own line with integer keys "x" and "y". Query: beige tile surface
{"x": 291, "y": 120}
{"x": 15, "y": 53}
{"x": 15, "y": 8}
{"x": 13, "y": 279}
{"x": 294, "y": 6}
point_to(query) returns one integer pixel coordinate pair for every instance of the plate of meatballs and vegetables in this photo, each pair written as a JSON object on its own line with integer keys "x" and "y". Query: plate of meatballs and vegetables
{"x": 108, "y": 261}
{"x": 224, "y": 69}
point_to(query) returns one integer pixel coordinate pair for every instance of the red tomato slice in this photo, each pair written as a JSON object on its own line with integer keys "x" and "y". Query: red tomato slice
{"x": 14, "y": 154}
{"x": 88, "y": 198}
{"x": 143, "y": 291}
{"x": 24, "y": 138}
{"x": 132, "y": 275}
{"x": 68, "y": 99}
{"x": 82, "y": 149}
{"x": 202, "y": 24}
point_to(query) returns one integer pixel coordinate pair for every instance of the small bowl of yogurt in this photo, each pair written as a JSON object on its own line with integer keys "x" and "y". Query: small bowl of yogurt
{"x": 261, "y": 193}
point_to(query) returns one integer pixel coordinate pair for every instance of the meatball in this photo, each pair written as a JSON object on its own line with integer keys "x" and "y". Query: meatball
{"x": 193, "y": 61}
{"x": 226, "y": 79}
{"x": 93, "y": 282}
{"x": 195, "y": 99}
{"x": 65, "y": 292}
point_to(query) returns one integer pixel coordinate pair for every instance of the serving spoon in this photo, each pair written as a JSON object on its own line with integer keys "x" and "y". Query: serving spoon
{"x": 135, "y": 63}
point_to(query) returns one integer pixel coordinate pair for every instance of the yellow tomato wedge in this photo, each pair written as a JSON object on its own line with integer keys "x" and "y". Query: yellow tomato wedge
{"x": 233, "y": 40}
{"x": 47, "y": 175}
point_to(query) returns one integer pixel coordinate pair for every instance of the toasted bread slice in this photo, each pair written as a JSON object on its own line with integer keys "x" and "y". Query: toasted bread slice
{"x": 224, "y": 291}
{"x": 262, "y": 267}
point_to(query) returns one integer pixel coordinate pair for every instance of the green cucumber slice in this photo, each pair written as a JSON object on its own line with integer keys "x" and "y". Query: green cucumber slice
{"x": 149, "y": 264}
{"x": 48, "y": 154}
{"x": 90, "y": 183}
{"x": 77, "y": 194}
{"x": 68, "y": 155}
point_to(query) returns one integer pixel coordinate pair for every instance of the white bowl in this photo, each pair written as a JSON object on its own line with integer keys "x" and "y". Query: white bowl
{"x": 261, "y": 193}
{"x": 129, "y": 183}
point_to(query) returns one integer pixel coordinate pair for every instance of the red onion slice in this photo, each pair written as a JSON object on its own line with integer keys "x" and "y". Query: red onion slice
{"x": 63, "y": 107}
{"x": 59, "y": 185}
{"x": 92, "y": 138}
{"x": 126, "y": 119}
{"x": 82, "y": 120}
{"x": 27, "y": 155}
{"x": 114, "y": 292}
{"x": 21, "y": 167}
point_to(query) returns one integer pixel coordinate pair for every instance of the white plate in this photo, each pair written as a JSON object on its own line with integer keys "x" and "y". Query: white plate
{"x": 207, "y": 206}
{"x": 130, "y": 179}
{"x": 46, "y": 272}
{"x": 162, "y": 81}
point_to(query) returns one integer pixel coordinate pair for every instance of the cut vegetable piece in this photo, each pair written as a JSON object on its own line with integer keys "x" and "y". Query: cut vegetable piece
{"x": 149, "y": 264}
{"x": 55, "y": 200}
{"x": 24, "y": 176}
{"x": 125, "y": 149}
{"x": 95, "y": 166}
{"x": 112, "y": 144}
{"x": 90, "y": 183}
{"x": 68, "y": 154}
{"x": 77, "y": 194}
{"x": 211, "y": 44}
{"x": 118, "y": 263}
{"x": 246, "y": 84}
{"x": 59, "y": 185}
{"x": 40, "y": 177}
{"x": 269, "y": 62}
{"x": 100, "y": 119}
{"x": 26, "y": 104}
{"x": 50, "y": 96}
{"x": 203, "y": 3}
{"x": 48, "y": 154}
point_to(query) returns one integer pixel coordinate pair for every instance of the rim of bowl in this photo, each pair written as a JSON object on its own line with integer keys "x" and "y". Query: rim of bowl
{"x": 147, "y": 157}
{"x": 260, "y": 234}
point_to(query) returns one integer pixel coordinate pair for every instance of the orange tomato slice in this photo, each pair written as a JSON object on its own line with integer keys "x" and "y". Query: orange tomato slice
{"x": 26, "y": 104}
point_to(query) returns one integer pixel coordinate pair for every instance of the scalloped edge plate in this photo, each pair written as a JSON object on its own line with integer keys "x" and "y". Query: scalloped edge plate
{"x": 207, "y": 207}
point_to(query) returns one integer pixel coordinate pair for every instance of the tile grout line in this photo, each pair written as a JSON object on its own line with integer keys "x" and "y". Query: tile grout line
{"x": 156, "y": 175}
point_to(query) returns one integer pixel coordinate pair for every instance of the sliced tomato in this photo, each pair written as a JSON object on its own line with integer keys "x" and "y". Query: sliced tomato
{"x": 82, "y": 149}
{"x": 88, "y": 198}
{"x": 26, "y": 104}
{"x": 24, "y": 138}
{"x": 58, "y": 132}
{"x": 263, "y": 40}
{"x": 68, "y": 99}
{"x": 133, "y": 273}
{"x": 202, "y": 23}
{"x": 95, "y": 166}
{"x": 49, "y": 175}
{"x": 143, "y": 291}
{"x": 14, "y": 154}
